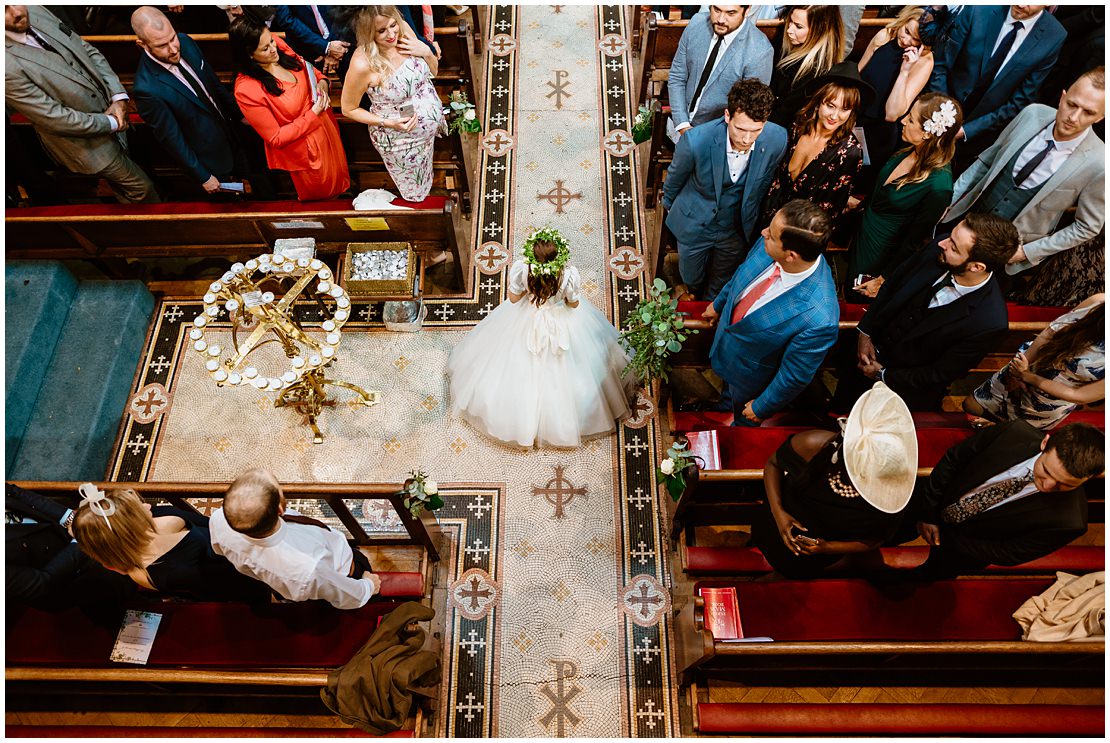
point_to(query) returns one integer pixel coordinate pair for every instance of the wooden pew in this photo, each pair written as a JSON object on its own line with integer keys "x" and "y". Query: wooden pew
{"x": 1003, "y": 720}
{"x": 476, "y": 26}
{"x": 961, "y": 629}
{"x": 149, "y": 731}
{"x": 106, "y": 234}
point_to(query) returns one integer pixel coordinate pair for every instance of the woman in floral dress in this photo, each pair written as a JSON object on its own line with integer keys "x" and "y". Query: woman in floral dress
{"x": 395, "y": 70}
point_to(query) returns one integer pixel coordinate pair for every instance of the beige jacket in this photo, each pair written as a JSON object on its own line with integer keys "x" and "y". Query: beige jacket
{"x": 1073, "y": 609}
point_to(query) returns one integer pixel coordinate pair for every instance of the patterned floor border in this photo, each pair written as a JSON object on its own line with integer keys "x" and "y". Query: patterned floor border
{"x": 472, "y": 515}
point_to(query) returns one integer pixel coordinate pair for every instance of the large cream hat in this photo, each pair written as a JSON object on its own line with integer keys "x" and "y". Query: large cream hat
{"x": 880, "y": 449}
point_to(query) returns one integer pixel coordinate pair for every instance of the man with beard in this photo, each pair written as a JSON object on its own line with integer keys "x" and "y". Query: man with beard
{"x": 939, "y": 313}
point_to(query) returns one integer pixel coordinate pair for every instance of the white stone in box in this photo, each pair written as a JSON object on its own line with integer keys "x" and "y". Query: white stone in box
{"x": 296, "y": 247}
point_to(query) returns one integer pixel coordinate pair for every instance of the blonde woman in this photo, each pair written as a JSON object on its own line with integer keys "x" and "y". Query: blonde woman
{"x": 913, "y": 190}
{"x": 897, "y": 63}
{"x": 167, "y": 550}
{"x": 395, "y": 71}
{"x": 812, "y": 42}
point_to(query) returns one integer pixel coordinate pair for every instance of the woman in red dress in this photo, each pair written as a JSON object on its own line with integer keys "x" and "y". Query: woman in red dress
{"x": 293, "y": 116}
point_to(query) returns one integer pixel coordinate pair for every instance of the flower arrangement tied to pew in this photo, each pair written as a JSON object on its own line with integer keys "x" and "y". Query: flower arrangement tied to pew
{"x": 420, "y": 494}
{"x": 641, "y": 125}
{"x": 672, "y": 470}
{"x": 461, "y": 114}
{"x": 653, "y": 332}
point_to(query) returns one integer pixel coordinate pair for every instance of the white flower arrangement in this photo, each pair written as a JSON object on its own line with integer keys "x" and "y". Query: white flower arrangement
{"x": 420, "y": 494}
{"x": 672, "y": 470}
{"x": 941, "y": 120}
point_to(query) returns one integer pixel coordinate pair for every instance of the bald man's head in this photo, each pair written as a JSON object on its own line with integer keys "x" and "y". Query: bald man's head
{"x": 254, "y": 503}
{"x": 156, "y": 34}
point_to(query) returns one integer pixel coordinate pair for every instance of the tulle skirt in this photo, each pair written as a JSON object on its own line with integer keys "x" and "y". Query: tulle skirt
{"x": 541, "y": 376}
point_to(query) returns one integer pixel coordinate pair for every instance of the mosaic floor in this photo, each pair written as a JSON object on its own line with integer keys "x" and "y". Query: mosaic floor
{"x": 555, "y": 578}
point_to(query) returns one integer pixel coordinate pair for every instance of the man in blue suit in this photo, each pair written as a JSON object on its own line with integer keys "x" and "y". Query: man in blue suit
{"x": 716, "y": 183}
{"x": 994, "y": 64}
{"x": 193, "y": 116}
{"x": 313, "y": 33}
{"x": 717, "y": 48}
{"x": 777, "y": 317}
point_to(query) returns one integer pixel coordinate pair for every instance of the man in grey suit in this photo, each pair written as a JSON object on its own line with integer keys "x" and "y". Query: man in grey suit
{"x": 1046, "y": 161}
{"x": 71, "y": 96}
{"x": 716, "y": 184}
{"x": 717, "y": 48}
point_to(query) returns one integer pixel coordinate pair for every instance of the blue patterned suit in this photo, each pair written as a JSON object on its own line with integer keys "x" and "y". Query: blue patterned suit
{"x": 773, "y": 353}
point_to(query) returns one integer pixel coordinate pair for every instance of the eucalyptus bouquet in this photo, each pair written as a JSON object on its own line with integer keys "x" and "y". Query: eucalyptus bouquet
{"x": 420, "y": 493}
{"x": 653, "y": 332}
{"x": 461, "y": 114}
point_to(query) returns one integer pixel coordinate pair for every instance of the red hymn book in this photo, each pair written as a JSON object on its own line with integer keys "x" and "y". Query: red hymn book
{"x": 722, "y": 613}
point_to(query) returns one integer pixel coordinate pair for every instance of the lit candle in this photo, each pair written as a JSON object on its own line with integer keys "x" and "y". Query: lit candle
{"x": 227, "y": 277}
{"x": 328, "y": 352}
{"x": 260, "y": 382}
{"x": 213, "y": 310}
{"x": 341, "y": 315}
{"x": 278, "y": 259}
{"x": 315, "y": 264}
{"x": 267, "y": 297}
{"x": 315, "y": 360}
{"x": 302, "y": 262}
{"x": 237, "y": 268}
{"x": 337, "y": 291}
{"x": 324, "y": 273}
{"x": 275, "y": 384}
{"x": 215, "y": 287}
{"x": 289, "y": 376}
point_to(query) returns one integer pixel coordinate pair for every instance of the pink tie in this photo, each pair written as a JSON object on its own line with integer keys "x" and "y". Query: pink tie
{"x": 753, "y": 296}
{"x": 429, "y": 24}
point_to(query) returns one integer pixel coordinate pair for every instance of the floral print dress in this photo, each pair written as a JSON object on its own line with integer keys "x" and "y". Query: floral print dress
{"x": 826, "y": 181}
{"x": 408, "y": 155}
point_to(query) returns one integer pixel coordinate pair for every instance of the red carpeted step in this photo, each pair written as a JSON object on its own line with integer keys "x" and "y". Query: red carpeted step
{"x": 901, "y": 719}
{"x": 114, "y": 731}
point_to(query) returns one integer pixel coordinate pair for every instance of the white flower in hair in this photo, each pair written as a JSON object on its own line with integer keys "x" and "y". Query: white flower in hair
{"x": 941, "y": 120}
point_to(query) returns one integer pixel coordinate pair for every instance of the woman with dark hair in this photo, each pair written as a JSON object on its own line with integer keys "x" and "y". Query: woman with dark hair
{"x": 823, "y": 156}
{"x": 548, "y": 371}
{"x": 163, "y": 549}
{"x": 1063, "y": 367}
{"x": 911, "y": 194}
{"x": 812, "y": 42}
{"x": 287, "y": 102}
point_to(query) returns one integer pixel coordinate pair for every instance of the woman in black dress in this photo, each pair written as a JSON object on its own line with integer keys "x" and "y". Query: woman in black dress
{"x": 163, "y": 549}
{"x": 823, "y": 156}
{"x": 812, "y": 42}
{"x": 831, "y": 494}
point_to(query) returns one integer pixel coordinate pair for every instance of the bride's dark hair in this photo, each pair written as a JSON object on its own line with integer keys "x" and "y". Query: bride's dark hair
{"x": 544, "y": 287}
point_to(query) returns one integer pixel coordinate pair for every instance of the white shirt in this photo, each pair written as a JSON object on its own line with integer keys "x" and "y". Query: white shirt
{"x": 300, "y": 561}
{"x": 950, "y": 294}
{"x": 726, "y": 40}
{"x": 784, "y": 283}
{"x": 1023, "y": 32}
{"x": 1021, "y": 469}
{"x": 1052, "y": 161}
{"x": 175, "y": 70}
{"x": 737, "y": 160}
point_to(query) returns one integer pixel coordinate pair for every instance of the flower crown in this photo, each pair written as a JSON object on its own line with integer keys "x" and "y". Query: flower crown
{"x": 941, "y": 120}
{"x": 556, "y": 264}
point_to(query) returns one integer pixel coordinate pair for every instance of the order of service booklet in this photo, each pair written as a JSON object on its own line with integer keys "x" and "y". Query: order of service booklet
{"x": 136, "y": 637}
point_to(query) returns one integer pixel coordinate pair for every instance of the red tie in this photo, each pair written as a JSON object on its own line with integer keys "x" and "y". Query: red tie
{"x": 753, "y": 296}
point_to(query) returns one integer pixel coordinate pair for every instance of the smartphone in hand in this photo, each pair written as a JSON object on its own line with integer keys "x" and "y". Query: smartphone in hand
{"x": 863, "y": 278}
{"x": 407, "y": 111}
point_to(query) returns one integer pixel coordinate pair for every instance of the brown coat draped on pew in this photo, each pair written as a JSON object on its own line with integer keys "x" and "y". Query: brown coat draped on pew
{"x": 375, "y": 690}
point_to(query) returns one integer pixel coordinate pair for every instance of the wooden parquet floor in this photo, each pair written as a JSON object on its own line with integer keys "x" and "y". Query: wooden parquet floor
{"x": 732, "y": 692}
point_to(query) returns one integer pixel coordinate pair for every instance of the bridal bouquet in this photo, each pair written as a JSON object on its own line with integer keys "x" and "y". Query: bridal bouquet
{"x": 461, "y": 114}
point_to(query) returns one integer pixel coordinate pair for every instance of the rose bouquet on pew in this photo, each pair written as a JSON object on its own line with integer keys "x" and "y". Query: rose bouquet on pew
{"x": 461, "y": 114}
{"x": 672, "y": 470}
{"x": 420, "y": 494}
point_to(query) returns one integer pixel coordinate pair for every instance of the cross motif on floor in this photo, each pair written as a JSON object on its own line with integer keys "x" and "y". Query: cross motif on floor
{"x": 559, "y": 196}
{"x": 498, "y": 143}
{"x": 471, "y": 645}
{"x": 650, "y": 713}
{"x": 476, "y": 550}
{"x": 444, "y": 311}
{"x": 620, "y": 167}
{"x": 479, "y": 506}
{"x": 495, "y": 195}
{"x": 500, "y": 65}
{"x": 473, "y": 594}
{"x": 636, "y": 446}
{"x": 490, "y": 257}
{"x": 500, "y": 91}
{"x": 556, "y": 491}
{"x": 617, "y": 118}
{"x": 160, "y": 365}
{"x": 488, "y": 285}
{"x": 642, "y": 554}
{"x": 558, "y": 8}
{"x": 492, "y": 229}
{"x": 174, "y": 314}
{"x": 614, "y": 65}
{"x": 629, "y": 293}
{"x": 649, "y": 650}
{"x": 624, "y": 233}
{"x": 503, "y": 25}
{"x": 496, "y": 168}
{"x": 640, "y": 498}
{"x": 619, "y": 143}
{"x": 137, "y": 444}
{"x": 644, "y": 600}
{"x": 150, "y": 402}
{"x": 502, "y": 43}
{"x": 616, "y": 91}
{"x": 612, "y": 25}
{"x": 622, "y": 199}
{"x": 612, "y": 46}
{"x": 470, "y": 707}
{"x": 498, "y": 119}
{"x": 485, "y": 309}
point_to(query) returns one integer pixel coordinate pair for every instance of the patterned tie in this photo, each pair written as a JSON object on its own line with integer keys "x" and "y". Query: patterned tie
{"x": 976, "y": 503}
{"x": 753, "y": 296}
{"x": 1029, "y": 167}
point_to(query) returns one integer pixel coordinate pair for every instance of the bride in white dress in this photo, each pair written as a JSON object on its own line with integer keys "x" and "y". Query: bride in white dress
{"x": 543, "y": 368}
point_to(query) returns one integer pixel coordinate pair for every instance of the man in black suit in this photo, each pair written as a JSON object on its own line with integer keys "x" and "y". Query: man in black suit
{"x": 192, "y": 115}
{"x": 937, "y": 315}
{"x": 1005, "y": 496}
{"x": 44, "y": 567}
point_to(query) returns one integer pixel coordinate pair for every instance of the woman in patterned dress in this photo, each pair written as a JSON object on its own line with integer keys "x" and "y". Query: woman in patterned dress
{"x": 1063, "y": 367}
{"x": 395, "y": 71}
{"x": 823, "y": 156}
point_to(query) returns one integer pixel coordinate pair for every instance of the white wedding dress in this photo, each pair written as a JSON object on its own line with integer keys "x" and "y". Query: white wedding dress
{"x": 548, "y": 375}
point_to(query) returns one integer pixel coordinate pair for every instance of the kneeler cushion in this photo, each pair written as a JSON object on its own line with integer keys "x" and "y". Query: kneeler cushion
{"x": 128, "y": 731}
{"x": 750, "y": 448}
{"x": 844, "y": 609}
{"x": 434, "y": 203}
{"x": 304, "y": 635}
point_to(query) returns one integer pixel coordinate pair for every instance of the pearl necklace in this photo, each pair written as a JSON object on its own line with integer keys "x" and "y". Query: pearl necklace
{"x": 845, "y": 490}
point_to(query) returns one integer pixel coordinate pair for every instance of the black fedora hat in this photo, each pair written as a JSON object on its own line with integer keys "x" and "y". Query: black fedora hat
{"x": 846, "y": 74}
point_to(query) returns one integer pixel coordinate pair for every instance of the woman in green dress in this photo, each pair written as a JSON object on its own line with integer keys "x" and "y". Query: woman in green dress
{"x": 913, "y": 191}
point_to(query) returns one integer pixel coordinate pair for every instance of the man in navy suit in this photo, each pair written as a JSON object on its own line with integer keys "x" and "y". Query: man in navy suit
{"x": 778, "y": 316}
{"x": 994, "y": 64}
{"x": 937, "y": 315}
{"x": 313, "y": 32}
{"x": 717, "y": 48}
{"x": 716, "y": 183}
{"x": 193, "y": 116}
